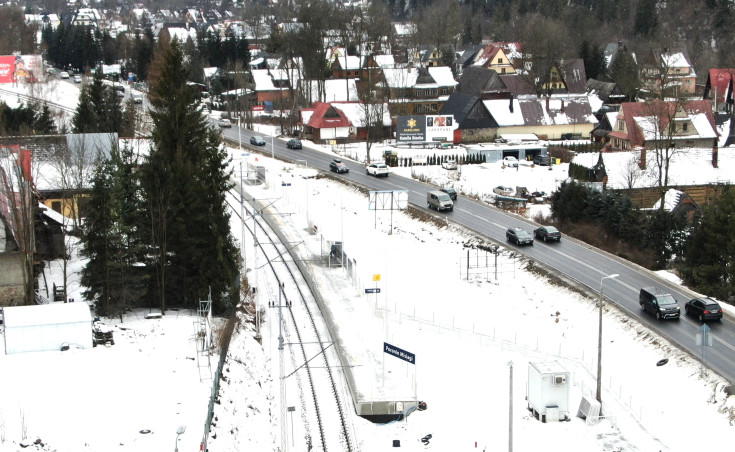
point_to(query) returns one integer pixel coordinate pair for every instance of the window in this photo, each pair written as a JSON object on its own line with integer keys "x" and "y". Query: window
{"x": 684, "y": 127}
{"x": 621, "y": 124}
{"x": 500, "y": 61}
{"x": 502, "y": 70}
{"x": 56, "y": 206}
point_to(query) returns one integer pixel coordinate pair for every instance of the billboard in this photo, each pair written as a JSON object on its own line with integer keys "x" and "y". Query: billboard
{"x": 421, "y": 128}
{"x": 20, "y": 68}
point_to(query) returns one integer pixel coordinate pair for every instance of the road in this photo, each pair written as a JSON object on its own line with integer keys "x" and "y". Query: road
{"x": 575, "y": 261}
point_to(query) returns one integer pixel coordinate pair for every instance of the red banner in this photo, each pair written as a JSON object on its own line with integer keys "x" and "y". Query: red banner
{"x": 17, "y": 68}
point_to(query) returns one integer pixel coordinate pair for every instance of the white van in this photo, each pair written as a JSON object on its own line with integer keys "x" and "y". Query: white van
{"x": 439, "y": 200}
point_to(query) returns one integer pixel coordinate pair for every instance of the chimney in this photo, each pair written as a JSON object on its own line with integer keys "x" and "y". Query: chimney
{"x": 510, "y": 104}
{"x": 547, "y": 103}
{"x": 562, "y": 105}
{"x": 715, "y": 151}
{"x": 642, "y": 163}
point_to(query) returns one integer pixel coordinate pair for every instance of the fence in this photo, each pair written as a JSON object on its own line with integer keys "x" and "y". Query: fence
{"x": 477, "y": 262}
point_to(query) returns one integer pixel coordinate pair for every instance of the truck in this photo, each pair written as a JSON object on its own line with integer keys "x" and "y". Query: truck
{"x": 547, "y": 392}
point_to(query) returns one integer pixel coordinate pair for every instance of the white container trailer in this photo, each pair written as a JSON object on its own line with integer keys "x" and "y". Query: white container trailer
{"x": 548, "y": 391}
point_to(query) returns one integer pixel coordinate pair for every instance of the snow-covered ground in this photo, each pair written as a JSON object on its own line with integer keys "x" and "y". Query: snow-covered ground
{"x": 464, "y": 331}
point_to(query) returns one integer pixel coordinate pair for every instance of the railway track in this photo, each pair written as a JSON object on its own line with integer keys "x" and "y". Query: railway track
{"x": 306, "y": 337}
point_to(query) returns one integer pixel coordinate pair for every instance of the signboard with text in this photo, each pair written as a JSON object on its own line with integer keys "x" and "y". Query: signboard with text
{"x": 20, "y": 68}
{"x": 399, "y": 353}
{"x": 420, "y": 128}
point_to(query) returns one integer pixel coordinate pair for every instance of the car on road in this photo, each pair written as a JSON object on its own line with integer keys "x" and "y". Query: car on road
{"x": 450, "y": 191}
{"x": 659, "y": 303}
{"x": 547, "y": 233}
{"x": 137, "y": 98}
{"x": 257, "y": 140}
{"x": 449, "y": 165}
{"x": 703, "y": 308}
{"x": 224, "y": 122}
{"x": 510, "y": 161}
{"x": 338, "y": 166}
{"x": 503, "y": 190}
{"x": 542, "y": 160}
{"x": 377, "y": 169}
{"x": 77, "y": 79}
{"x": 519, "y": 236}
{"x": 293, "y": 143}
{"x": 63, "y": 74}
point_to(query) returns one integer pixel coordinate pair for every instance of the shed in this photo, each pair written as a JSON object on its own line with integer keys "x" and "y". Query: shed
{"x": 46, "y": 327}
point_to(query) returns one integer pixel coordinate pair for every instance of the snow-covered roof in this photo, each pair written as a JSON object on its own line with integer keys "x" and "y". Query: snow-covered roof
{"x": 442, "y": 75}
{"x": 335, "y": 90}
{"x": 47, "y": 314}
{"x": 384, "y": 61}
{"x": 670, "y": 200}
{"x": 673, "y": 60}
{"x": 406, "y": 77}
{"x": 210, "y": 71}
{"x": 182, "y": 34}
{"x": 355, "y": 112}
{"x": 500, "y": 110}
{"x": 349, "y": 63}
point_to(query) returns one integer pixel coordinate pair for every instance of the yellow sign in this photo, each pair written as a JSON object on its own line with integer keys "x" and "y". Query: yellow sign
{"x": 376, "y": 277}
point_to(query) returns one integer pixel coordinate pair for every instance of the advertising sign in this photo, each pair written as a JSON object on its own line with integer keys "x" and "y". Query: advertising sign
{"x": 411, "y": 128}
{"x": 439, "y": 128}
{"x": 20, "y": 68}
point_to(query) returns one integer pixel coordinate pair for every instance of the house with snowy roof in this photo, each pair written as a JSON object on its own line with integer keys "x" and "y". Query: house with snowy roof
{"x": 668, "y": 73}
{"x": 494, "y": 57}
{"x": 331, "y": 90}
{"x": 274, "y": 85}
{"x": 418, "y": 90}
{"x": 346, "y": 66}
{"x": 642, "y": 124}
{"x": 342, "y": 121}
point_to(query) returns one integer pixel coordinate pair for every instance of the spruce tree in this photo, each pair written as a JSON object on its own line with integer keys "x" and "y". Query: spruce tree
{"x": 184, "y": 184}
{"x": 44, "y": 122}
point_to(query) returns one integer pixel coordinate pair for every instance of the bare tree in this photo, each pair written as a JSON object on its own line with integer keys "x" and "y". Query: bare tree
{"x": 17, "y": 202}
{"x": 631, "y": 173}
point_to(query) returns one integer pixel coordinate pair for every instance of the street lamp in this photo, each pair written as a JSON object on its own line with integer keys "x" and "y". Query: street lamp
{"x": 599, "y": 343}
{"x": 179, "y": 431}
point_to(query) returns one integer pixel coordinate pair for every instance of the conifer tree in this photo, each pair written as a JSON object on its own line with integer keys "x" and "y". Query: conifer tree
{"x": 44, "y": 121}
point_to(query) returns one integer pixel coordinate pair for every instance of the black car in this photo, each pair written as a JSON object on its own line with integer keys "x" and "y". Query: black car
{"x": 542, "y": 160}
{"x": 294, "y": 143}
{"x": 338, "y": 166}
{"x": 257, "y": 140}
{"x": 547, "y": 233}
{"x": 703, "y": 308}
{"x": 659, "y": 303}
{"x": 451, "y": 192}
{"x": 519, "y": 236}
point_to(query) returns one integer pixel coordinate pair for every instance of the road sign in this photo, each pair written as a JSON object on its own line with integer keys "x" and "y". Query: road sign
{"x": 399, "y": 353}
{"x": 376, "y": 277}
{"x": 373, "y": 290}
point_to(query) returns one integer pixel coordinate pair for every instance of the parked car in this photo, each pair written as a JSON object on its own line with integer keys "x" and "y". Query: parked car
{"x": 293, "y": 143}
{"x": 547, "y": 233}
{"x": 77, "y": 79}
{"x": 450, "y": 191}
{"x": 102, "y": 334}
{"x": 519, "y": 236}
{"x": 542, "y": 160}
{"x": 449, "y": 165}
{"x": 502, "y": 190}
{"x": 659, "y": 303}
{"x": 703, "y": 308}
{"x": 510, "y": 161}
{"x": 224, "y": 123}
{"x": 338, "y": 166}
{"x": 257, "y": 140}
{"x": 377, "y": 169}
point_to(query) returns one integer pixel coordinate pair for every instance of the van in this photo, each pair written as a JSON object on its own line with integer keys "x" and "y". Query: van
{"x": 659, "y": 303}
{"x": 439, "y": 200}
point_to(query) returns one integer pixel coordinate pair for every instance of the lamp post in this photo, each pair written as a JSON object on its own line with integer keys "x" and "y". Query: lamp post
{"x": 179, "y": 431}
{"x": 599, "y": 343}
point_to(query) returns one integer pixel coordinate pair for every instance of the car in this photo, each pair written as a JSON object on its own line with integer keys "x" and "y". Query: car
{"x": 510, "y": 161}
{"x": 293, "y": 143}
{"x": 449, "y": 165}
{"x": 703, "y": 308}
{"x": 224, "y": 122}
{"x": 137, "y": 98}
{"x": 377, "y": 170}
{"x": 659, "y": 303}
{"x": 338, "y": 166}
{"x": 503, "y": 190}
{"x": 63, "y": 74}
{"x": 77, "y": 79}
{"x": 102, "y": 334}
{"x": 519, "y": 236}
{"x": 542, "y": 160}
{"x": 450, "y": 191}
{"x": 257, "y": 140}
{"x": 547, "y": 233}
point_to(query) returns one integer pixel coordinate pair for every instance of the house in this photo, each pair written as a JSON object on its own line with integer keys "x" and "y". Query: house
{"x": 719, "y": 89}
{"x": 670, "y": 74}
{"x": 601, "y": 132}
{"x": 342, "y": 121}
{"x": 465, "y": 58}
{"x": 677, "y": 202}
{"x": 474, "y": 121}
{"x": 641, "y": 124}
{"x": 483, "y": 83}
{"x": 346, "y": 66}
{"x": 494, "y": 57}
{"x": 431, "y": 56}
{"x": 401, "y": 35}
{"x": 608, "y": 92}
{"x": 418, "y": 90}
{"x": 563, "y": 76}
{"x": 274, "y": 85}
{"x": 333, "y": 90}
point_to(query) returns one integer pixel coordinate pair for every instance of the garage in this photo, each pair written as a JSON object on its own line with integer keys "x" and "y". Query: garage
{"x": 47, "y": 327}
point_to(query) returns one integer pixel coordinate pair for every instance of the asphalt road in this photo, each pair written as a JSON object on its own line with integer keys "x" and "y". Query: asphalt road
{"x": 575, "y": 261}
